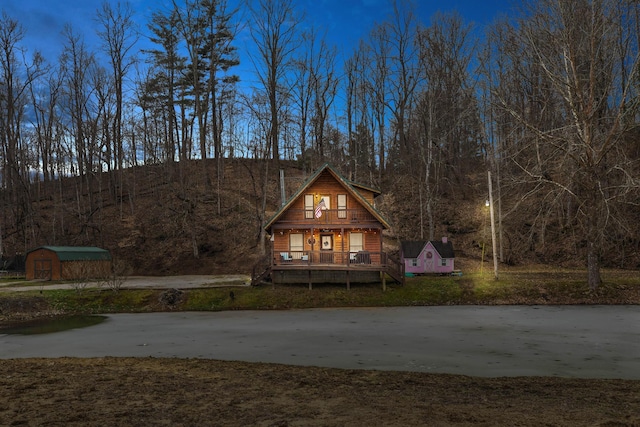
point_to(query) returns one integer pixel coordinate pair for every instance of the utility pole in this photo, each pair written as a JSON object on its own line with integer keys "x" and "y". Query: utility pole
{"x": 493, "y": 228}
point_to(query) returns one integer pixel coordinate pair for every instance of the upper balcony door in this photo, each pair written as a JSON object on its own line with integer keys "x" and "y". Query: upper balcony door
{"x": 342, "y": 206}
{"x": 326, "y": 199}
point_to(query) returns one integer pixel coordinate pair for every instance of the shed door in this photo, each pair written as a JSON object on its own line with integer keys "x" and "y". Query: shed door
{"x": 429, "y": 262}
{"x": 42, "y": 269}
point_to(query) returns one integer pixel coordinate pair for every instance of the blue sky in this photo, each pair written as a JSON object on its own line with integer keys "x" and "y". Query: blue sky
{"x": 345, "y": 21}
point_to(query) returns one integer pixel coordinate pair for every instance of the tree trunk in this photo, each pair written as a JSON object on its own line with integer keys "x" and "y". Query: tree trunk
{"x": 593, "y": 265}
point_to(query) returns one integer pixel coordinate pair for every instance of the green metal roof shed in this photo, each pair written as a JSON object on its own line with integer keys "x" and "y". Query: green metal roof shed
{"x": 67, "y": 262}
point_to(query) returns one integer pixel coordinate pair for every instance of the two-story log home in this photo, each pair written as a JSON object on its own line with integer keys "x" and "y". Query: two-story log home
{"x": 330, "y": 232}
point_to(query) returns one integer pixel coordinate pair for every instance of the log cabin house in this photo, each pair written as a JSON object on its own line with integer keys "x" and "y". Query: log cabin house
{"x": 330, "y": 232}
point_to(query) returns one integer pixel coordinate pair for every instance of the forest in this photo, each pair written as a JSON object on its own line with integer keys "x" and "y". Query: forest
{"x": 155, "y": 153}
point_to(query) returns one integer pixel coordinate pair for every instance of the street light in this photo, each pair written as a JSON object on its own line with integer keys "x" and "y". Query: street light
{"x": 493, "y": 228}
{"x": 484, "y": 238}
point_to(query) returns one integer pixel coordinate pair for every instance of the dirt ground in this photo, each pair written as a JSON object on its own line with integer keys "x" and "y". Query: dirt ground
{"x": 194, "y": 392}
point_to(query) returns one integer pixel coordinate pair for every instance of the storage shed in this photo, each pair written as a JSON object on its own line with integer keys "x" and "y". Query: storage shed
{"x": 431, "y": 256}
{"x": 67, "y": 263}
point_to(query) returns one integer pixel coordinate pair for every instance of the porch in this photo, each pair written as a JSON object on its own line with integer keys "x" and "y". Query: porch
{"x": 329, "y": 258}
{"x": 334, "y": 267}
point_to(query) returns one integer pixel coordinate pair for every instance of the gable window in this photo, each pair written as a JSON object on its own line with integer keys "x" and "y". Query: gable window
{"x": 308, "y": 206}
{"x": 342, "y": 205}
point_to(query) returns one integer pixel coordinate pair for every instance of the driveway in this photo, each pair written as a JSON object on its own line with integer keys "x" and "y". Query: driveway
{"x": 149, "y": 282}
{"x": 567, "y": 341}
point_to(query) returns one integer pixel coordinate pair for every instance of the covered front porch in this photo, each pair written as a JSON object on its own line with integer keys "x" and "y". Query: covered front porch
{"x": 335, "y": 267}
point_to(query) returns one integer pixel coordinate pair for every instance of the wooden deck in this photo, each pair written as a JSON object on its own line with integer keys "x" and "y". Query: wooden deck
{"x": 322, "y": 267}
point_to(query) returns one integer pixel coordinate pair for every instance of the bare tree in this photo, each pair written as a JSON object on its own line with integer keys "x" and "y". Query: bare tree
{"x": 377, "y": 86}
{"x": 16, "y": 77}
{"x": 274, "y": 32}
{"x": 404, "y": 68}
{"x": 581, "y": 154}
{"x": 118, "y": 33}
{"x": 447, "y": 119}
{"x": 302, "y": 93}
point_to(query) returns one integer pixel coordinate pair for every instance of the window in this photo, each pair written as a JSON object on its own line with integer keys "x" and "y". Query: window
{"x": 356, "y": 242}
{"x": 296, "y": 242}
{"x": 444, "y": 262}
{"x": 414, "y": 262}
{"x": 342, "y": 205}
{"x": 308, "y": 206}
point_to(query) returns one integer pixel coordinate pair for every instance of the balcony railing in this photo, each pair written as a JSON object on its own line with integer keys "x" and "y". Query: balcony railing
{"x": 329, "y": 216}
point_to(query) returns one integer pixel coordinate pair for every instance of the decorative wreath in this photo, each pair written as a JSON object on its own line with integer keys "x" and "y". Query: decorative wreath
{"x": 429, "y": 255}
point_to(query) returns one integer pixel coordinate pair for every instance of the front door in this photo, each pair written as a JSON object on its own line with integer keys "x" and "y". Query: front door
{"x": 429, "y": 263}
{"x": 326, "y": 248}
{"x": 42, "y": 269}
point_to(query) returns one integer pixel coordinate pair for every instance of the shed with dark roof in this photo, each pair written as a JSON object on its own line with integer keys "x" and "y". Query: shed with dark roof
{"x": 428, "y": 256}
{"x": 67, "y": 263}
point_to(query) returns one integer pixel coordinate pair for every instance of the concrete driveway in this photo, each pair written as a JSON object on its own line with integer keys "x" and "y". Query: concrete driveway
{"x": 567, "y": 341}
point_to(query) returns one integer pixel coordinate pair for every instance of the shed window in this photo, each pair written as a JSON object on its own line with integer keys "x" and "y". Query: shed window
{"x": 308, "y": 206}
{"x": 342, "y": 205}
{"x": 444, "y": 261}
{"x": 414, "y": 262}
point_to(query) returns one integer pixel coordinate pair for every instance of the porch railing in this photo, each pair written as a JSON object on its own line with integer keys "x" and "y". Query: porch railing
{"x": 337, "y": 259}
{"x": 330, "y": 258}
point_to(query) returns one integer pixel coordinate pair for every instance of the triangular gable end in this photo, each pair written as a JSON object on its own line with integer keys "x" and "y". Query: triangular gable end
{"x": 347, "y": 186}
{"x": 428, "y": 246}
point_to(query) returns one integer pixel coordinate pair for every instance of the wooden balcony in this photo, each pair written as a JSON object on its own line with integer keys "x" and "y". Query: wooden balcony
{"x": 333, "y": 217}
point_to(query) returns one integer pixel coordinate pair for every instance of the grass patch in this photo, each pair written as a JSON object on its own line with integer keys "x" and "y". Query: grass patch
{"x": 93, "y": 301}
{"x": 513, "y": 288}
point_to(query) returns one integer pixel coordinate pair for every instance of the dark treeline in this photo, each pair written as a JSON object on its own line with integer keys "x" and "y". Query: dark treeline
{"x": 546, "y": 99}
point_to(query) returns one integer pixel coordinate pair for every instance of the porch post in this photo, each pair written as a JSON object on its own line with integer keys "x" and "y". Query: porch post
{"x": 313, "y": 241}
{"x": 344, "y": 259}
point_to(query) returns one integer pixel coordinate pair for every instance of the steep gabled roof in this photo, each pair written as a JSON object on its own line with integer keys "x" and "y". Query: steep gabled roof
{"x": 413, "y": 248}
{"x": 357, "y": 186}
{"x": 349, "y": 186}
{"x": 444, "y": 249}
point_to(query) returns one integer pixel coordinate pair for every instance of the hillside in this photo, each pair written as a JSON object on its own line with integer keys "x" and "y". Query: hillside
{"x": 170, "y": 219}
